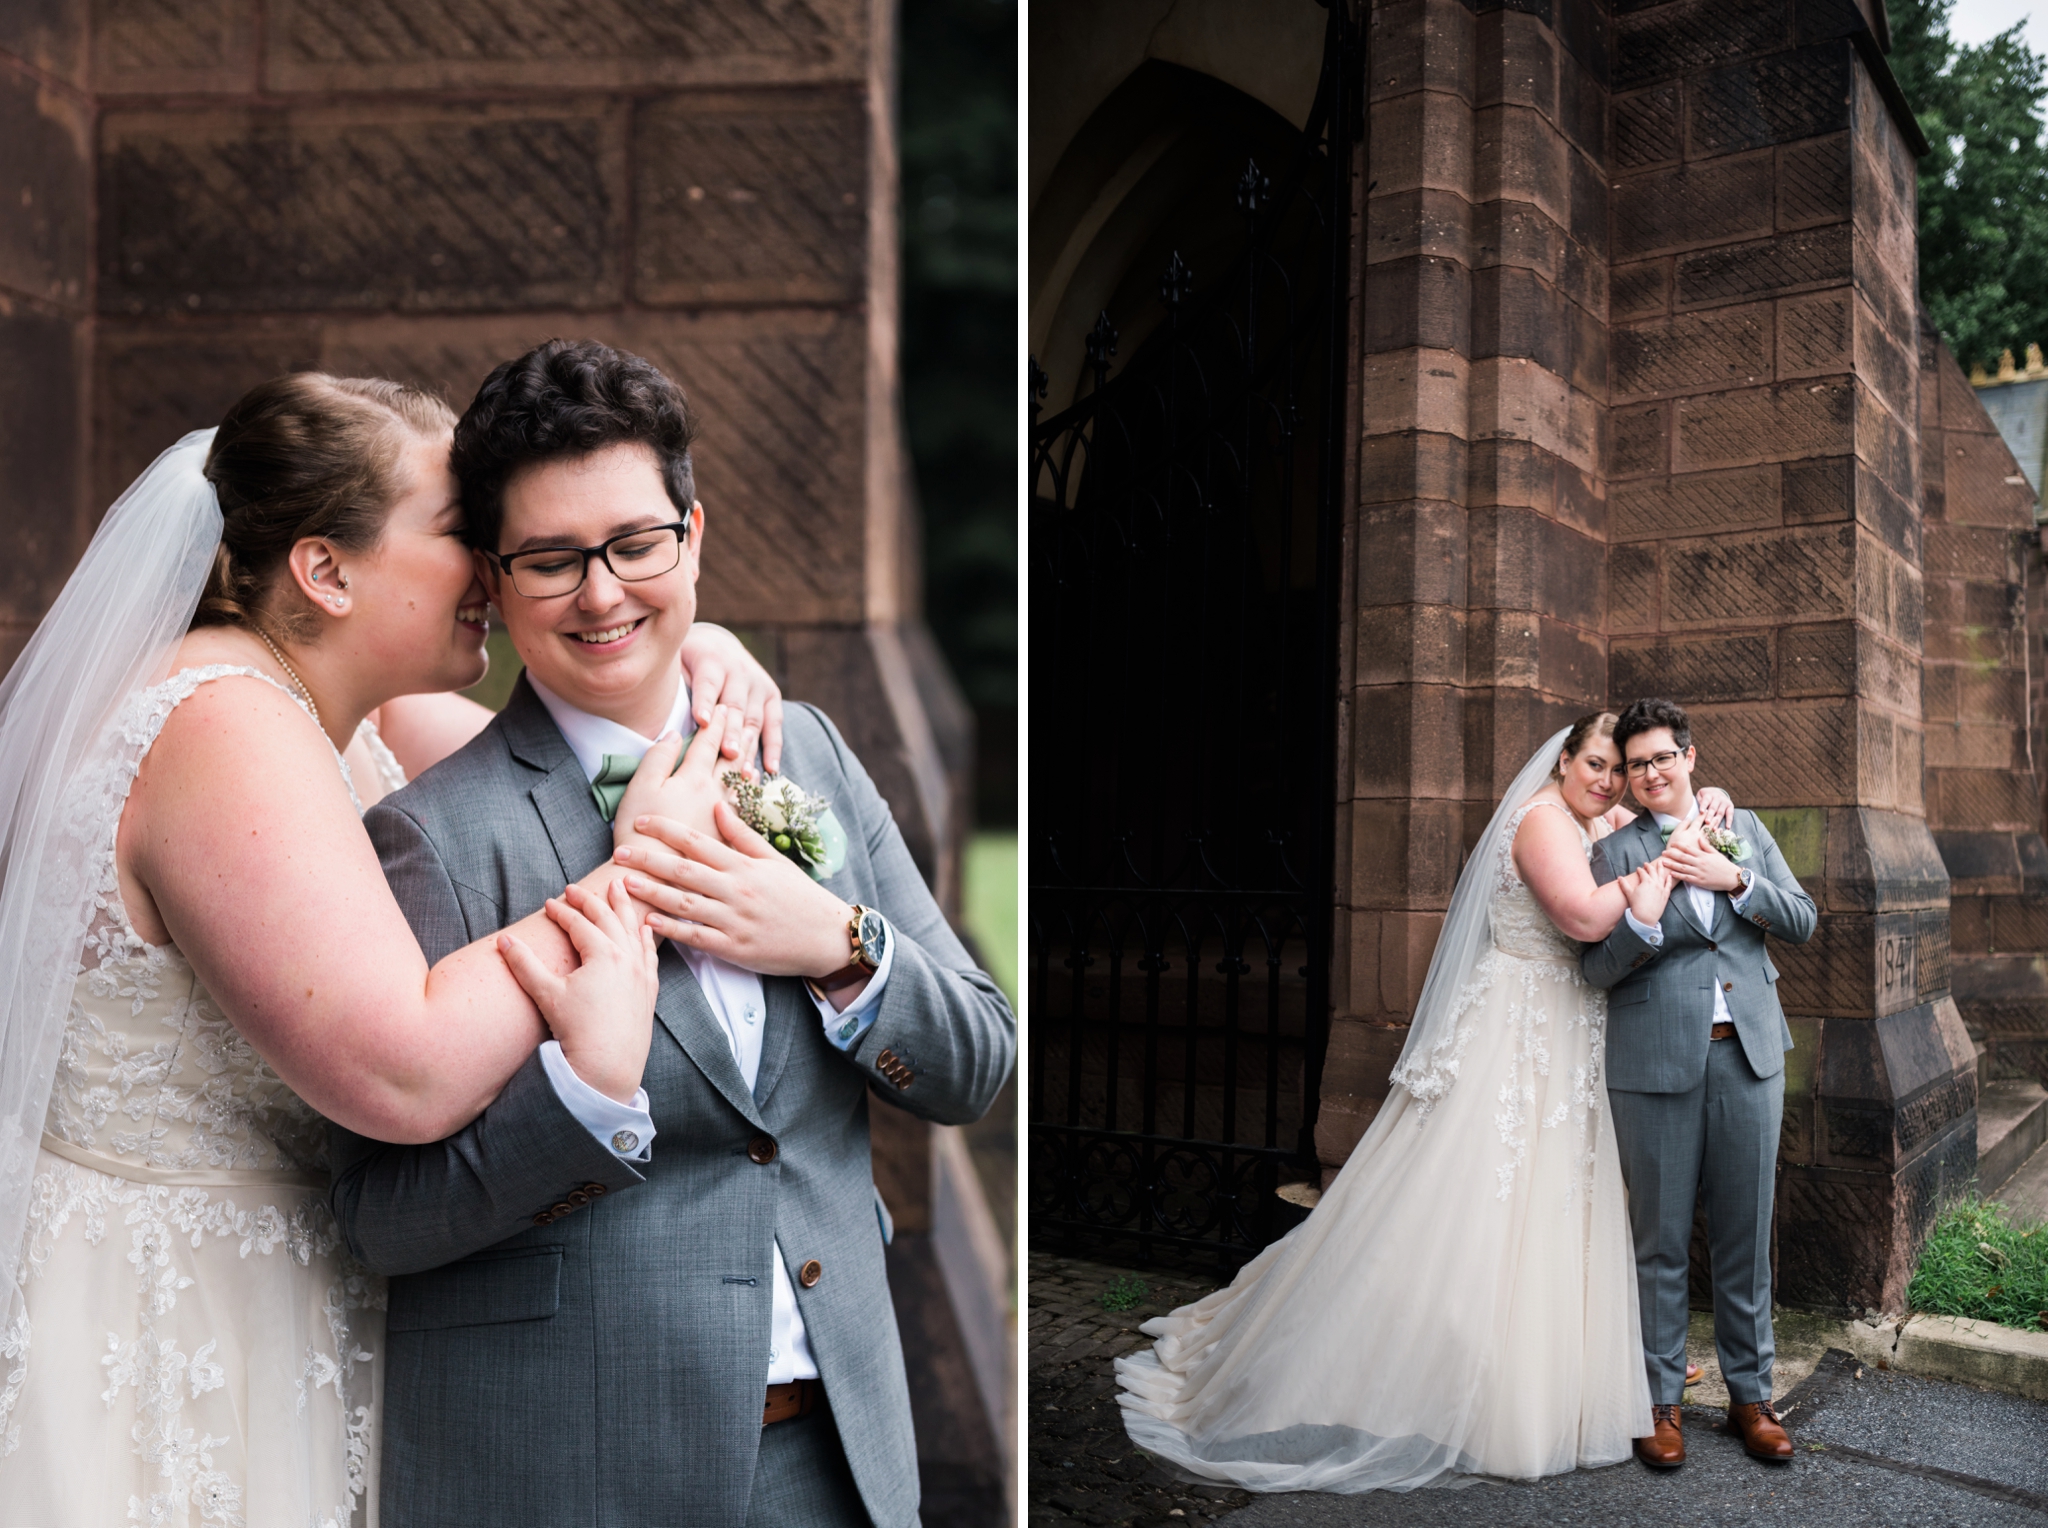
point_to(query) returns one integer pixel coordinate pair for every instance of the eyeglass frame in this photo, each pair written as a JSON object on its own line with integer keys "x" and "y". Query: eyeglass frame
{"x": 502, "y": 561}
{"x": 1628, "y": 766}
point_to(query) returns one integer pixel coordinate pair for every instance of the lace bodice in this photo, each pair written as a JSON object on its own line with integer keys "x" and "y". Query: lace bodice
{"x": 152, "y": 1074}
{"x": 1520, "y": 925}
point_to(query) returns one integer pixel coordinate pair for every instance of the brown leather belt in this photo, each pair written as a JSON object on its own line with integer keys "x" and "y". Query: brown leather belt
{"x": 798, "y": 1398}
{"x": 1723, "y": 1031}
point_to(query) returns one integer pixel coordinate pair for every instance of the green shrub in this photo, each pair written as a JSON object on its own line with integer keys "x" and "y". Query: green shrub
{"x": 1126, "y": 1292}
{"x": 1981, "y": 1265}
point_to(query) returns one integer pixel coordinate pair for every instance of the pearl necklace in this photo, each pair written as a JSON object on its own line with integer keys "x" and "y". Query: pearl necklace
{"x": 311, "y": 704}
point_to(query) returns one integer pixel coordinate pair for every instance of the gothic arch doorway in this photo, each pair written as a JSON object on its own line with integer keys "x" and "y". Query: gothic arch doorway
{"x": 1184, "y": 536}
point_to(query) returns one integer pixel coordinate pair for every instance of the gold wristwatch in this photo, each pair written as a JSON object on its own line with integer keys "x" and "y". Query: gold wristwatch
{"x": 867, "y": 935}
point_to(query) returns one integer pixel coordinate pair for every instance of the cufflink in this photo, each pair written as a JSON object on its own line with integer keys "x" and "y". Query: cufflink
{"x": 625, "y": 1142}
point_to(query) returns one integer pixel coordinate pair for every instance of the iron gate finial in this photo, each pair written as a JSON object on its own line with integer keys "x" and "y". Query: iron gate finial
{"x": 1173, "y": 286}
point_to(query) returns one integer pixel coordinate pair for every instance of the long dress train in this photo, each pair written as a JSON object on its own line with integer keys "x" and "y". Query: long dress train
{"x": 1463, "y": 1298}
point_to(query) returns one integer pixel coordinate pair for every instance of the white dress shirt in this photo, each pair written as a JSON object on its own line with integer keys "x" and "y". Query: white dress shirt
{"x": 736, "y": 1000}
{"x": 1702, "y": 901}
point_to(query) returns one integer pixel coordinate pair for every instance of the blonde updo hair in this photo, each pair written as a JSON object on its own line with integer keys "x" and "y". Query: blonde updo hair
{"x": 1584, "y": 730}
{"x": 304, "y": 455}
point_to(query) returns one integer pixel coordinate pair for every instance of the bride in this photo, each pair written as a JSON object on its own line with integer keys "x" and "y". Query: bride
{"x": 198, "y": 952}
{"x": 1463, "y": 1298}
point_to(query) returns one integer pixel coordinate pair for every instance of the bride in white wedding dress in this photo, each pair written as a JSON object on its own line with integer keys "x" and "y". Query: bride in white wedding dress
{"x": 198, "y": 951}
{"x": 1463, "y": 1298}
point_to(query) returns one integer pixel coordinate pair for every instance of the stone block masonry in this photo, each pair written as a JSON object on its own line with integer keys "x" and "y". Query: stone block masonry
{"x": 1645, "y": 411}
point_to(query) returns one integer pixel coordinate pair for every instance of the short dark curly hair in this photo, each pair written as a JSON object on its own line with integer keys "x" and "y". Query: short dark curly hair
{"x": 561, "y": 399}
{"x": 1640, "y": 716}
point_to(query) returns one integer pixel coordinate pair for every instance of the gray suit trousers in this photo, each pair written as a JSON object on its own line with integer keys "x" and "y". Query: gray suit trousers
{"x": 1730, "y": 1119}
{"x": 801, "y": 1477}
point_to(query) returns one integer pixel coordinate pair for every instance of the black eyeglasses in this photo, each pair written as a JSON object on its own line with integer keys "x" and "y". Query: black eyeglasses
{"x": 549, "y": 572}
{"x": 1661, "y": 762}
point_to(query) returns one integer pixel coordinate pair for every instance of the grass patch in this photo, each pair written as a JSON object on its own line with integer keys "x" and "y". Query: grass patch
{"x": 1983, "y": 1266}
{"x": 1126, "y": 1292}
{"x": 989, "y": 898}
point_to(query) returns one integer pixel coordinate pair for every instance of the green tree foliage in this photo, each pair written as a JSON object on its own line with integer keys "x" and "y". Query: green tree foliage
{"x": 958, "y": 123}
{"x": 1984, "y": 187}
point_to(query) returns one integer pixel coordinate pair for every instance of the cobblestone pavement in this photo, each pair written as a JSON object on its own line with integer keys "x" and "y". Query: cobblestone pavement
{"x": 1082, "y": 1468}
{"x": 1875, "y": 1448}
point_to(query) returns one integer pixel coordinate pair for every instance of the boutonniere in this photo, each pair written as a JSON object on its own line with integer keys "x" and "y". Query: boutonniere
{"x": 1728, "y": 842}
{"x": 796, "y": 823}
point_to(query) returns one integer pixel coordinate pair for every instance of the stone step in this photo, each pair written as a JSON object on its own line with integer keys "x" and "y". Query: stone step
{"x": 2012, "y": 1126}
{"x": 2025, "y": 1193}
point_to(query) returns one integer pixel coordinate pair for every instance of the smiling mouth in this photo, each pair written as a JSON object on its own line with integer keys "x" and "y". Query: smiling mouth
{"x": 609, "y": 635}
{"x": 478, "y": 615}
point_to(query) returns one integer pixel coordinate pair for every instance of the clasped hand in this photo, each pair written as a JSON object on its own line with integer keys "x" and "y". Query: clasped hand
{"x": 735, "y": 897}
{"x": 1694, "y": 861}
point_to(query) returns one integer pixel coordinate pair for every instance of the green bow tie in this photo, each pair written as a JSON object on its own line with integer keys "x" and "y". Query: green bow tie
{"x": 613, "y": 775}
{"x": 1667, "y": 830}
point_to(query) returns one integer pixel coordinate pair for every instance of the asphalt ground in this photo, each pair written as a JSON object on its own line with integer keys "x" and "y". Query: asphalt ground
{"x": 1874, "y": 1447}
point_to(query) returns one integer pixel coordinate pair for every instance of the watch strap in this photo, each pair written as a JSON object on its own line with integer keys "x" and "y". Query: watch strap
{"x": 859, "y": 968}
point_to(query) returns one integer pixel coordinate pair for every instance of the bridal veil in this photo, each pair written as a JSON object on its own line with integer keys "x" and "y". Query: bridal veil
{"x": 114, "y": 629}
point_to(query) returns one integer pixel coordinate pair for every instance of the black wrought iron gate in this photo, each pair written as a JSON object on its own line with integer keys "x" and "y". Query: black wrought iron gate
{"x": 1185, "y": 540}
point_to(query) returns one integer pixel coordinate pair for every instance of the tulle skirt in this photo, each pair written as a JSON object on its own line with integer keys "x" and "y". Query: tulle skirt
{"x": 1462, "y": 1300}
{"x": 188, "y": 1357}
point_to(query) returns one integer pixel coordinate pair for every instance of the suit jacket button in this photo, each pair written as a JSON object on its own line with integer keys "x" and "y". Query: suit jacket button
{"x": 761, "y": 1149}
{"x": 564, "y": 1208}
{"x": 578, "y": 1198}
{"x": 810, "y": 1273}
{"x": 594, "y": 1190}
{"x": 543, "y": 1218}
{"x": 1712, "y": 946}
{"x": 1727, "y": 986}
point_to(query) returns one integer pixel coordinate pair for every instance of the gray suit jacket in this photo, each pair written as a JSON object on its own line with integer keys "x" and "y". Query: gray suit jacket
{"x": 1660, "y": 1001}
{"x": 573, "y": 1340}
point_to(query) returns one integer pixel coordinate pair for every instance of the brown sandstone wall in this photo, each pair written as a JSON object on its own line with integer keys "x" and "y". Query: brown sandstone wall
{"x": 1640, "y": 373}
{"x": 1983, "y": 785}
{"x": 46, "y": 121}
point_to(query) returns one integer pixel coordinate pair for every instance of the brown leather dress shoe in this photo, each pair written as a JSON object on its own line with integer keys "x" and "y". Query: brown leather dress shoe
{"x": 1762, "y": 1434}
{"x": 1664, "y": 1449}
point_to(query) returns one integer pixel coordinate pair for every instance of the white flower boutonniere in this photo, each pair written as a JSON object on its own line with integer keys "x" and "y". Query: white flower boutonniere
{"x": 1728, "y": 842}
{"x": 796, "y": 823}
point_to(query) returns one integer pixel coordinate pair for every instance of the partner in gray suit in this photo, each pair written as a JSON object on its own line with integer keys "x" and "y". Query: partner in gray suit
{"x": 1696, "y": 1043}
{"x": 583, "y": 1326}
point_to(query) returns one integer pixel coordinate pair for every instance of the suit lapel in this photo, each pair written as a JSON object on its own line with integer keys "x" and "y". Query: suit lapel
{"x": 788, "y": 1006}
{"x": 1681, "y": 893}
{"x": 582, "y": 839}
{"x": 686, "y": 1015}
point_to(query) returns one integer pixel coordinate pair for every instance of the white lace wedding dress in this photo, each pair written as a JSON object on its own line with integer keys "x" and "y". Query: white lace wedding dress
{"x": 195, "y": 1347}
{"x": 1463, "y": 1298}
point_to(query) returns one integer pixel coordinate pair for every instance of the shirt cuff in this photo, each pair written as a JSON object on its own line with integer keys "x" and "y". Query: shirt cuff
{"x": 1649, "y": 933}
{"x": 625, "y": 1130}
{"x": 843, "y": 1028}
{"x": 1737, "y": 899}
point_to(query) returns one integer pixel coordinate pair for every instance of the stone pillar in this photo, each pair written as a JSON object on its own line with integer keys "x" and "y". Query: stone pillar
{"x": 1767, "y": 569}
{"x": 1473, "y": 626}
{"x": 1640, "y": 390}
{"x": 1983, "y": 788}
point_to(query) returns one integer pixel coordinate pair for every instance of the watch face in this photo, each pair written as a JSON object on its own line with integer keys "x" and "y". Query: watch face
{"x": 874, "y": 934}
